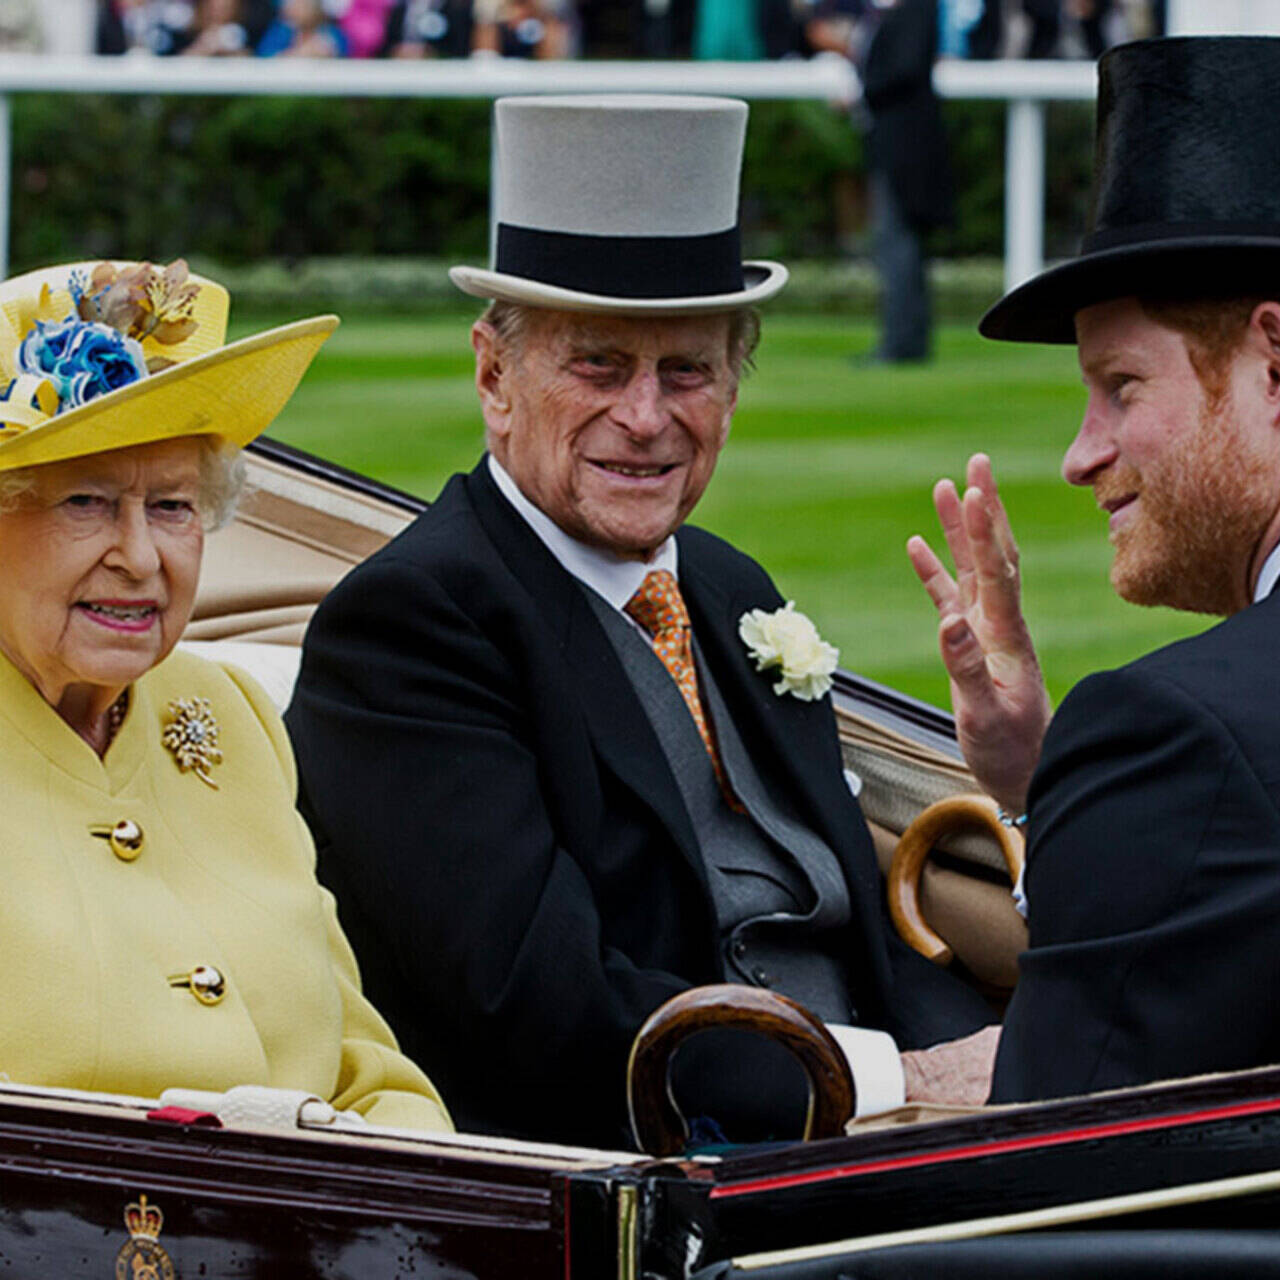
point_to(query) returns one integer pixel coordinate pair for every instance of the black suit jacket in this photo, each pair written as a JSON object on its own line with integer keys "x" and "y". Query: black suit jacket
{"x": 907, "y": 141}
{"x": 1153, "y": 872}
{"x": 511, "y": 855}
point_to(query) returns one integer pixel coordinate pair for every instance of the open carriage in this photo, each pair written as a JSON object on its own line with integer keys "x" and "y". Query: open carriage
{"x": 1176, "y": 1178}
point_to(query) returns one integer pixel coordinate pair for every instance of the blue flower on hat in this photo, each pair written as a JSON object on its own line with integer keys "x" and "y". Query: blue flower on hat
{"x": 83, "y": 360}
{"x": 43, "y": 346}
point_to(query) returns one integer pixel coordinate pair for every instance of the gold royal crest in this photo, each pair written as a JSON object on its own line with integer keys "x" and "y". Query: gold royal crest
{"x": 142, "y": 1257}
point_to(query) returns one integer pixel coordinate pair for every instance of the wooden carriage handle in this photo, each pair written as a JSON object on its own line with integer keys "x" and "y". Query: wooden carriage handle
{"x": 656, "y": 1121}
{"x": 912, "y": 852}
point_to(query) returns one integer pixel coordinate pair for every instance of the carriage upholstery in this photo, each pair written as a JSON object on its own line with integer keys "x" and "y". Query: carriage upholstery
{"x": 302, "y": 525}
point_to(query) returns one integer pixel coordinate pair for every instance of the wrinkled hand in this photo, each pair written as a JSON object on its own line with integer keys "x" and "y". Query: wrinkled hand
{"x": 957, "y": 1072}
{"x": 997, "y": 692}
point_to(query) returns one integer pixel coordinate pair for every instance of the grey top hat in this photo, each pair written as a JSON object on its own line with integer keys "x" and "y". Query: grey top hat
{"x": 621, "y": 203}
{"x": 1186, "y": 194}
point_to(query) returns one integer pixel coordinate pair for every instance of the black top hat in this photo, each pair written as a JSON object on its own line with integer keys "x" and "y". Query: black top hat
{"x": 1187, "y": 185}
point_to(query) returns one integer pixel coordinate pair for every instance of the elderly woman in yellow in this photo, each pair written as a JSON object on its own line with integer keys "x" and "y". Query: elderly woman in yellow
{"x": 160, "y": 924}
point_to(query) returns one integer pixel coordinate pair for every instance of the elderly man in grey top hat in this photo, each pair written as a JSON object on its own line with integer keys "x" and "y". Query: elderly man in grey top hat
{"x": 1153, "y": 813}
{"x": 549, "y": 785}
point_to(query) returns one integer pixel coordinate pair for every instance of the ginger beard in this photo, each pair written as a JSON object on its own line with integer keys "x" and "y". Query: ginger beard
{"x": 1202, "y": 510}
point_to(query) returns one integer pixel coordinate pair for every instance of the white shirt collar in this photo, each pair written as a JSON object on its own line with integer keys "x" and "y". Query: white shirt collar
{"x": 1269, "y": 576}
{"x": 609, "y": 576}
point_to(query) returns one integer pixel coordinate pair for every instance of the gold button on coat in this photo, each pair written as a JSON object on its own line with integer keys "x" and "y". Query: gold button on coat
{"x": 125, "y": 838}
{"x": 204, "y": 982}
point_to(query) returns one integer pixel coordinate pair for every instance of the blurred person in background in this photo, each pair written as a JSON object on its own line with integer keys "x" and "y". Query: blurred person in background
{"x": 428, "y": 29}
{"x": 659, "y": 28}
{"x": 303, "y": 29}
{"x": 893, "y": 44}
{"x": 20, "y": 28}
{"x": 166, "y": 27}
{"x": 987, "y": 38}
{"x": 363, "y": 24}
{"x": 782, "y": 25}
{"x": 1049, "y": 28}
{"x": 1093, "y": 17}
{"x": 728, "y": 30}
{"x": 956, "y": 22}
{"x": 523, "y": 28}
{"x": 143, "y": 26}
{"x": 744, "y": 30}
{"x": 636, "y": 28}
{"x": 220, "y": 29}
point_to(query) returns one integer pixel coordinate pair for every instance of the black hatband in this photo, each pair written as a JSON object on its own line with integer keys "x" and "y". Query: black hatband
{"x": 624, "y": 266}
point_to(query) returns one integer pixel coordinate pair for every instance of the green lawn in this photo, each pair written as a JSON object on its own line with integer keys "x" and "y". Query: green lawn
{"x": 827, "y": 473}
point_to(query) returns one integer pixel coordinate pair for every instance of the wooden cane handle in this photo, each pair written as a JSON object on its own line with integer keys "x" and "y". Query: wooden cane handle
{"x": 656, "y": 1120}
{"x": 912, "y": 852}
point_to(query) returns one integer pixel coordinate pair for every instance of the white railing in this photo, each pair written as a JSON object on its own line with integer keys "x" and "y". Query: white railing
{"x": 1025, "y": 86}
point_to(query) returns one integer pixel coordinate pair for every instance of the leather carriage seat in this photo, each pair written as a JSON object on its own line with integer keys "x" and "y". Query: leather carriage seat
{"x": 273, "y": 666}
{"x": 296, "y": 533}
{"x": 299, "y": 530}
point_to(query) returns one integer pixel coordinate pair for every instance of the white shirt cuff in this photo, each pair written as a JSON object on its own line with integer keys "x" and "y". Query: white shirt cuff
{"x": 1020, "y": 893}
{"x": 876, "y": 1066}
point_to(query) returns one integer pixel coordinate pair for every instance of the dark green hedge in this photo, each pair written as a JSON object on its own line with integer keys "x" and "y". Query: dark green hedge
{"x": 242, "y": 179}
{"x": 963, "y": 288}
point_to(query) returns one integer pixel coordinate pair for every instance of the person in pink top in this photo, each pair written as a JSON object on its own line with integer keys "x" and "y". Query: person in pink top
{"x": 364, "y": 23}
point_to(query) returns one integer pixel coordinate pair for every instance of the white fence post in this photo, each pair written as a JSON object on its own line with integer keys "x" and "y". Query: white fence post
{"x": 1023, "y": 191}
{"x": 1224, "y": 17}
{"x": 68, "y": 25}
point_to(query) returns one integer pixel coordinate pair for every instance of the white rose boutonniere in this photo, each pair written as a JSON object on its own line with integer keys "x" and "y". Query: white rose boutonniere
{"x": 790, "y": 642}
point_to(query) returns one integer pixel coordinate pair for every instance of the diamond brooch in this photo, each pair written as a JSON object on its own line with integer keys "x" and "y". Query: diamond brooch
{"x": 191, "y": 733}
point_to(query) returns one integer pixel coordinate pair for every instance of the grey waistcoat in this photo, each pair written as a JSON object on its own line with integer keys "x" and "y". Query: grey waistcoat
{"x": 779, "y": 894}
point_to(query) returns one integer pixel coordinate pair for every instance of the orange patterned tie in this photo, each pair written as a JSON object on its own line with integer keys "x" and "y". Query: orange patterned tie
{"x": 659, "y": 608}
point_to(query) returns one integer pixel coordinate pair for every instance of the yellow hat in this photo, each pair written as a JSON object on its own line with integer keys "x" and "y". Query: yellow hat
{"x": 98, "y": 356}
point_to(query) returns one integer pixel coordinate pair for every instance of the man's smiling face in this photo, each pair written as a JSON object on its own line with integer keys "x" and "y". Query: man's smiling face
{"x": 1188, "y": 482}
{"x": 611, "y": 425}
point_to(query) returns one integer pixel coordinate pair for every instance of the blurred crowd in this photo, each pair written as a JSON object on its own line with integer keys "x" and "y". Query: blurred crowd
{"x": 715, "y": 29}
{"x": 1044, "y": 28}
{"x": 338, "y": 28}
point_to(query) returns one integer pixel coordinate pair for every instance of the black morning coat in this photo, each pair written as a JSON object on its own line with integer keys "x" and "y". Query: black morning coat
{"x": 1153, "y": 872}
{"x": 907, "y": 141}
{"x": 511, "y": 855}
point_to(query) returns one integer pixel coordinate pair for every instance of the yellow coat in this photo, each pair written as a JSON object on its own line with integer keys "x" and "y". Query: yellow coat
{"x": 89, "y": 942}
